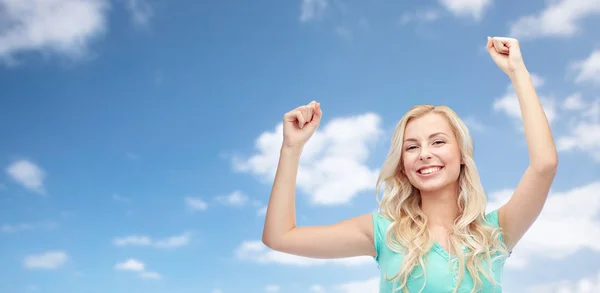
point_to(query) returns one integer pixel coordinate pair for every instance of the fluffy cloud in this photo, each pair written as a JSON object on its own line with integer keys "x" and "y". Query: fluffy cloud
{"x": 509, "y": 103}
{"x": 131, "y": 265}
{"x": 467, "y": 8}
{"x": 582, "y": 133}
{"x": 257, "y": 252}
{"x": 134, "y": 265}
{"x": 332, "y": 167}
{"x": 312, "y": 9}
{"x": 368, "y": 285}
{"x": 169, "y": 242}
{"x": 589, "y": 284}
{"x": 15, "y": 228}
{"x": 236, "y": 198}
{"x": 46, "y": 260}
{"x": 272, "y": 288}
{"x": 421, "y": 16}
{"x": 573, "y": 214}
{"x": 559, "y": 18}
{"x": 140, "y": 11}
{"x": 588, "y": 69}
{"x": 27, "y": 174}
{"x": 195, "y": 203}
{"x": 64, "y": 27}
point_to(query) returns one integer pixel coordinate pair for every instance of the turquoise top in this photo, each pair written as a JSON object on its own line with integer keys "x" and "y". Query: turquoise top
{"x": 441, "y": 277}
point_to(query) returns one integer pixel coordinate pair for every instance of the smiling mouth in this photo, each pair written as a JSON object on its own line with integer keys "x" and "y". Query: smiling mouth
{"x": 429, "y": 170}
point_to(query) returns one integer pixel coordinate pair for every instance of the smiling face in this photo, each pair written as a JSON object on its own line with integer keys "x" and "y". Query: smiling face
{"x": 430, "y": 153}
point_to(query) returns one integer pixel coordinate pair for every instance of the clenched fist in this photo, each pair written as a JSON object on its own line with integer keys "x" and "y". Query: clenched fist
{"x": 506, "y": 53}
{"x": 300, "y": 124}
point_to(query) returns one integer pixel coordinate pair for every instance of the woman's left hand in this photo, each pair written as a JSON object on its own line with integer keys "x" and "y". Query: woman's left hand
{"x": 506, "y": 53}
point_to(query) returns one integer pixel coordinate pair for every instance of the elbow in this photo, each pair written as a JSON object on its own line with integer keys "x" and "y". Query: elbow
{"x": 270, "y": 242}
{"x": 546, "y": 165}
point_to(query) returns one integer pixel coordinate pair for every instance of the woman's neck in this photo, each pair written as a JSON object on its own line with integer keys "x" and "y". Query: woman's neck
{"x": 441, "y": 206}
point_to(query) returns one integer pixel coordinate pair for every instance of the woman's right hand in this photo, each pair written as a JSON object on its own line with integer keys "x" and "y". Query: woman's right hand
{"x": 300, "y": 124}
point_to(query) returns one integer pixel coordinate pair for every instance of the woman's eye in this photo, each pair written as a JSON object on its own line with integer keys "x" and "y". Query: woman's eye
{"x": 410, "y": 148}
{"x": 438, "y": 142}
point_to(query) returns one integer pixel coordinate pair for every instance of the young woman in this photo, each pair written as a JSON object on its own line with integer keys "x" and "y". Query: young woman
{"x": 431, "y": 233}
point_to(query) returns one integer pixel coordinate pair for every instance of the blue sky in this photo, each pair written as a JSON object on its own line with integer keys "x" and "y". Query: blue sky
{"x": 140, "y": 137}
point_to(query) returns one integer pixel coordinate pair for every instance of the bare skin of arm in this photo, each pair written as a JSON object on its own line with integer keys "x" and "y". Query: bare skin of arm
{"x": 348, "y": 238}
{"x": 529, "y": 197}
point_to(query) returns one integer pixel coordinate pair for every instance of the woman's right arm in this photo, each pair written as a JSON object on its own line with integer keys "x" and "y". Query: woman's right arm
{"x": 348, "y": 238}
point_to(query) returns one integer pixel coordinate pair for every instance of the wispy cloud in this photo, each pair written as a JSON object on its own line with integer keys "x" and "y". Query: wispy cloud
{"x": 134, "y": 265}
{"x": 141, "y": 240}
{"x": 561, "y": 18}
{"x": 48, "y": 260}
{"x": 587, "y": 284}
{"x": 570, "y": 213}
{"x": 27, "y": 174}
{"x": 423, "y": 15}
{"x": 195, "y": 203}
{"x": 312, "y": 9}
{"x": 235, "y": 198}
{"x": 141, "y": 11}
{"x": 588, "y": 68}
{"x": 333, "y": 166}
{"x": 50, "y": 26}
{"x": 509, "y": 103}
{"x": 473, "y": 9}
{"x": 15, "y": 228}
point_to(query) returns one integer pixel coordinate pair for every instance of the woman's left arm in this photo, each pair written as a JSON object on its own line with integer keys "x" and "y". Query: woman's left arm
{"x": 527, "y": 201}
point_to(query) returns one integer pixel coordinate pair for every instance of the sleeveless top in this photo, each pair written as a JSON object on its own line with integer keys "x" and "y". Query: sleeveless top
{"x": 441, "y": 267}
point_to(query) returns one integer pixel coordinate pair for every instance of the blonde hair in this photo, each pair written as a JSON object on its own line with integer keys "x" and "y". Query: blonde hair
{"x": 400, "y": 203}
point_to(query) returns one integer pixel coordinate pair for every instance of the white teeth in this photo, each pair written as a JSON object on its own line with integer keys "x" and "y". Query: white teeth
{"x": 430, "y": 170}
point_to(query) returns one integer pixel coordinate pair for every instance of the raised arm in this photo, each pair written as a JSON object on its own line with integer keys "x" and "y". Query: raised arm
{"x": 352, "y": 237}
{"x": 527, "y": 201}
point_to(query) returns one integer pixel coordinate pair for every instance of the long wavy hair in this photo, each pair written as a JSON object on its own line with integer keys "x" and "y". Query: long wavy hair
{"x": 401, "y": 203}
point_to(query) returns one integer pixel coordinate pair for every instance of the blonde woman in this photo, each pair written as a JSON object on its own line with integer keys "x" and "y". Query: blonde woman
{"x": 431, "y": 233}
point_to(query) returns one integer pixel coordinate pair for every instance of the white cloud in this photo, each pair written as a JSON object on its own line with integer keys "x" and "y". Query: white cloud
{"x": 140, "y": 11}
{"x": 590, "y": 284}
{"x": 312, "y": 9}
{"x": 6, "y": 228}
{"x": 46, "y": 260}
{"x": 509, "y": 103}
{"x": 138, "y": 240}
{"x": 474, "y": 124}
{"x": 332, "y": 167}
{"x": 256, "y": 251}
{"x": 344, "y": 32}
{"x": 318, "y": 289}
{"x": 236, "y": 198}
{"x": 195, "y": 204}
{"x": 15, "y": 228}
{"x": 134, "y": 265}
{"x": 583, "y": 133}
{"x": 467, "y": 8}
{"x": 574, "y": 102}
{"x": 27, "y": 174}
{"x": 368, "y": 285}
{"x": 64, "y": 27}
{"x": 131, "y": 265}
{"x": 560, "y": 18}
{"x": 421, "y": 15}
{"x": 573, "y": 214}
{"x": 589, "y": 68}
{"x": 150, "y": 275}
{"x": 272, "y": 288}
{"x": 118, "y": 197}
